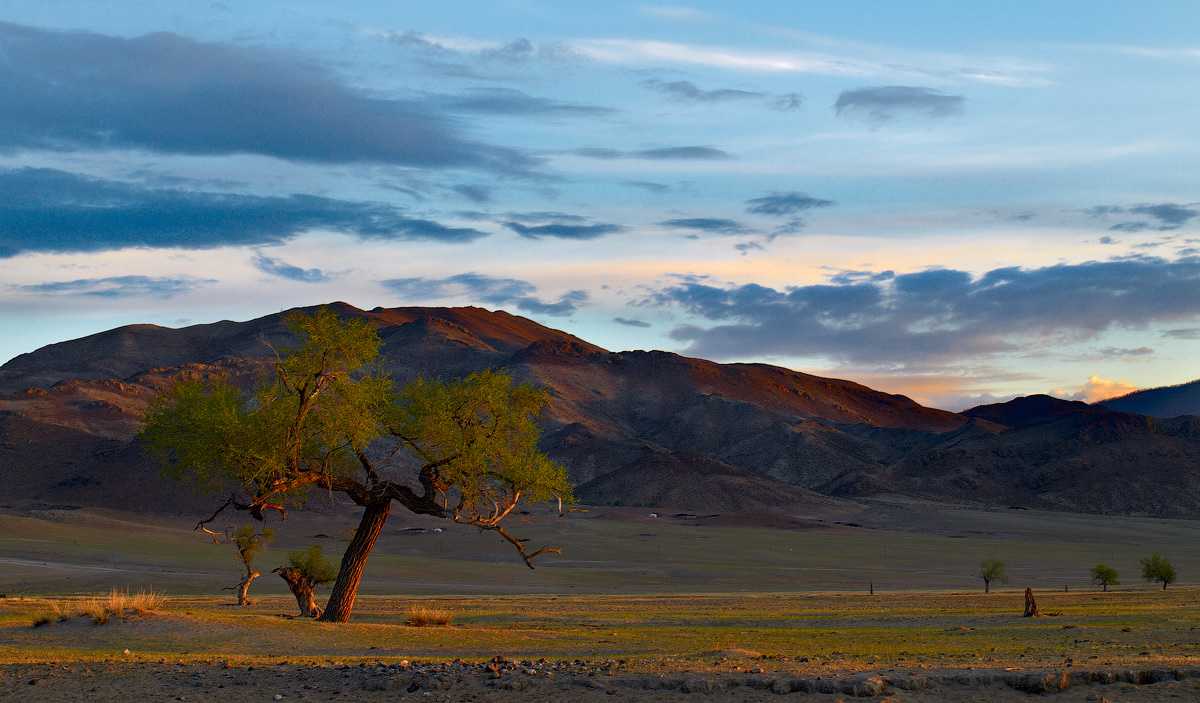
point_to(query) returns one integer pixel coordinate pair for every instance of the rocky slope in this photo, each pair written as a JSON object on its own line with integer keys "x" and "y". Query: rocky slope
{"x": 636, "y": 428}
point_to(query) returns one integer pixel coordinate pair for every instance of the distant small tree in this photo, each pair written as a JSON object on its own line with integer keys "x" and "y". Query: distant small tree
{"x": 305, "y": 571}
{"x": 992, "y": 569}
{"x": 1104, "y": 576}
{"x": 249, "y": 545}
{"x": 1155, "y": 569}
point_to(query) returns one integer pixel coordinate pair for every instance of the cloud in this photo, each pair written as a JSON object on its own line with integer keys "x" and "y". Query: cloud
{"x": 74, "y": 91}
{"x": 938, "y": 316}
{"x": 648, "y": 186}
{"x": 559, "y": 225}
{"x": 687, "y": 90}
{"x": 683, "y": 153}
{"x": 1183, "y": 333}
{"x": 883, "y": 103}
{"x": 55, "y": 211}
{"x": 474, "y": 193}
{"x": 275, "y": 267}
{"x": 1097, "y": 390}
{"x": 506, "y": 101}
{"x": 630, "y": 323}
{"x": 1168, "y": 216}
{"x": 707, "y": 224}
{"x": 523, "y": 51}
{"x": 118, "y": 287}
{"x": 1123, "y": 351}
{"x": 784, "y": 204}
{"x": 477, "y": 287}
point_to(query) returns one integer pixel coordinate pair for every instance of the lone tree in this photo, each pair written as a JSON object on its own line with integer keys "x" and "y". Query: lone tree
{"x": 1155, "y": 569}
{"x": 463, "y": 450}
{"x": 1104, "y": 576}
{"x": 249, "y": 545}
{"x": 305, "y": 571}
{"x": 992, "y": 569}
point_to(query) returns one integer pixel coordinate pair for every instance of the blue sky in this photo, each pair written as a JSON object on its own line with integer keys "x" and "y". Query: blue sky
{"x": 957, "y": 201}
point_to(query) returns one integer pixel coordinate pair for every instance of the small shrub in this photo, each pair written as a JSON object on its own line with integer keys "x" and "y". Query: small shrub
{"x": 119, "y": 603}
{"x": 429, "y": 617}
{"x": 53, "y": 612}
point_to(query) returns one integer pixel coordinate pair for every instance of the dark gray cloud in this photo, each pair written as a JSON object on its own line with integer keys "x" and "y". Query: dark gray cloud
{"x": 563, "y": 231}
{"x": 1123, "y": 351}
{"x": 276, "y": 267}
{"x": 118, "y": 287}
{"x": 649, "y": 186}
{"x": 506, "y": 101}
{"x": 938, "y": 316}
{"x": 473, "y": 192}
{"x": 55, "y": 211}
{"x": 1164, "y": 217}
{"x": 630, "y": 323}
{"x": 1182, "y": 333}
{"x": 883, "y": 103}
{"x": 687, "y": 90}
{"x": 714, "y": 225}
{"x": 683, "y": 153}
{"x": 478, "y": 287}
{"x": 784, "y": 204}
{"x": 70, "y": 91}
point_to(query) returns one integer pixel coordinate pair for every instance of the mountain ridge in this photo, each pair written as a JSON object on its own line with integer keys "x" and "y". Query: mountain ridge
{"x": 638, "y": 427}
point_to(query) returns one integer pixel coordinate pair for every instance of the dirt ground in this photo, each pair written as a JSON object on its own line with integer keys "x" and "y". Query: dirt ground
{"x": 541, "y": 682}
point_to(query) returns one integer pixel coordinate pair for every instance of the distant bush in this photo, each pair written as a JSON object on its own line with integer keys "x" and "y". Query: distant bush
{"x": 101, "y": 610}
{"x": 429, "y": 617}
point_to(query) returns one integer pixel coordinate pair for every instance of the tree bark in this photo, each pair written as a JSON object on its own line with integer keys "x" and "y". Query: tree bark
{"x": 1031, "y": 609}
{"x": 302, "y": 588}
{"x": 244, "y": 586}
{"x": 341, "y": 600}
{"x": 987, "y": 583}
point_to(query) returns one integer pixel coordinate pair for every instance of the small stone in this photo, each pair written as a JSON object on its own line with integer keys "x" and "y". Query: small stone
{"x": 278, "y": 696}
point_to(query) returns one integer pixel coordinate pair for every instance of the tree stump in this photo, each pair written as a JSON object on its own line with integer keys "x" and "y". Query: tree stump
{"x": 1031, "y": 609}
{"x": 302, "y": 588}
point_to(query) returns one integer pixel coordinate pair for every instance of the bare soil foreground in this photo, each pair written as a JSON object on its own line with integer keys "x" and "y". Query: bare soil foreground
{"x": 562, "y": 681}
{"x": 1130, "y": 645}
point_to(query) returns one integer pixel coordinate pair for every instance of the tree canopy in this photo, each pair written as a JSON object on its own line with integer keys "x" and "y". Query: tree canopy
{"x": 992, "y": 569}
{"x": 1156, "y": 569}
{"x": 1104, "y": 576}
{"x": 464, "y": 450}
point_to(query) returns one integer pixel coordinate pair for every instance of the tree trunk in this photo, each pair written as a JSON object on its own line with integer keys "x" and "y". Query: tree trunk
{"x": 244, "y": 586}
{"x": 341, "y": 600}
{"x": 302, "y": 588}
{"x": 1164, "y": 584}
{"x": 1031, "y": 609}
{"x": 986, "y": 584}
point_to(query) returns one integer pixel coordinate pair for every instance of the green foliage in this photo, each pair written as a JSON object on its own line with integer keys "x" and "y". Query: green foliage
{"x": 478, "y": 436}
{"x": 992, "y": 569}
{"x": 1104, "y": 576}
{"x": 311, "y": 564}
{"x": 1157, "y": 569}
{"x": 250, "y": 543}
{"x": 300, "y": 427}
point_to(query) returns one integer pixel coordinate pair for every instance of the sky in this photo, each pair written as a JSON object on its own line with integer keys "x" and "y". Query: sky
{"x": 960, "y": 202}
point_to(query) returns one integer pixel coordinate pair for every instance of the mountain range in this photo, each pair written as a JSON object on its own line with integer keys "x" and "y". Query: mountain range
{"x": 646, "y": 428}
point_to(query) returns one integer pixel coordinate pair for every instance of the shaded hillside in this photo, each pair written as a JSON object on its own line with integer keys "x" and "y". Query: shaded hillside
{"x": 1167, "y": 401}
{"x": 1098, "y": 462}
{"x": 648, "y": 428}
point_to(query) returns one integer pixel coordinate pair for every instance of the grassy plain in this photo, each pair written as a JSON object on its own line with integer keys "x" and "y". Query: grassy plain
{"x": 669, "y": 593}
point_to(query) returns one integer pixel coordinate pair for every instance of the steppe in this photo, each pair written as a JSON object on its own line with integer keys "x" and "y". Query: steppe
{"x": 670, "y": 607}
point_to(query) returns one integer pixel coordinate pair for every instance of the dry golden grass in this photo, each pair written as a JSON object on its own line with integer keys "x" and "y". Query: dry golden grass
{"x": 101, "y": 610}
{"x": 421, "y": 616}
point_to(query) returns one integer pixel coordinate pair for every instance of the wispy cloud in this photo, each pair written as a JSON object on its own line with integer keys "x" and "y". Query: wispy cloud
{"x": 784, "y": 204}
{"x": 477, "y": 287}
{"x": 670, "y": 153}
{"x": 884, "y": 103}
{"x": 118, "y": 287}
{"x": 281, "y": 269}
{"x": 716, "y": 225}
{"x": 932, "y": 317}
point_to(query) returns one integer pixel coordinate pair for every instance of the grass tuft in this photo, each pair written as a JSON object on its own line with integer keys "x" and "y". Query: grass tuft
{"x": 429, "y": 617}
{"x": 103, "y": 609}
